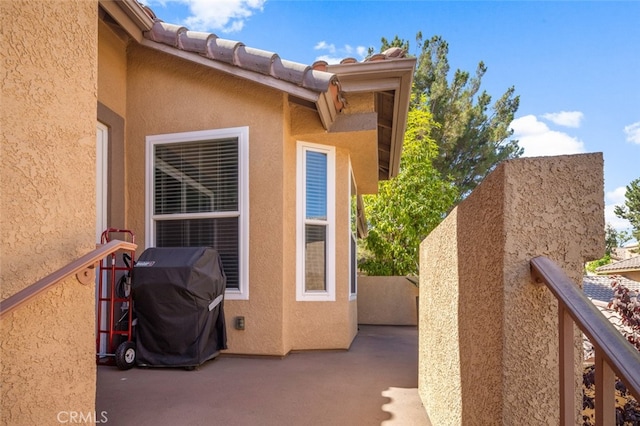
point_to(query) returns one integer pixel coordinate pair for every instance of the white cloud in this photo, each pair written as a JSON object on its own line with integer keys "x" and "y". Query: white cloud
{"x": 226, "y": 16}
{"x": 617, "y": 196}
{"x": 633, "y": 132}
{"x": 565, "y": 118}
{"x": 538, "y": 140}
{"x": 336, "y": 54}
{"x": 617, "y": 223}
{"x": 323, "y": 45}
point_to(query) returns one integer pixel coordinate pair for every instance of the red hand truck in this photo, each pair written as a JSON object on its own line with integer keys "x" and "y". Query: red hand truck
{"x": 114, "y": 336}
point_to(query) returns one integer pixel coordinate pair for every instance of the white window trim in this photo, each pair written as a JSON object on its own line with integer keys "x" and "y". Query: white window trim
{"x": 329, "y": 295}
{"x": 242, "y": 134}
{"x": 351, "y": 183}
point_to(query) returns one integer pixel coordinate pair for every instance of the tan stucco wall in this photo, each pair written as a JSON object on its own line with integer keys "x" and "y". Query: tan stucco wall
{"x": 632, "y": 275}
{"x": 488, "y": 334}
{"x": 362, "y": 145}
{"x": 387, "y": 301}
{"x": 47, "y": 206}
{"x": 325, "y": 325}
{"x": 168, "y": 95}
{"x": 112, "y": 69}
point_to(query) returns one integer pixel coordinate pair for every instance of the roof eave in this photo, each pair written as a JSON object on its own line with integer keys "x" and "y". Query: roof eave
{"x": 616, "y": 271}
{"x": 385, "y": 75}
{"x": 322, "y": 100}
{"x": 137, "y": 14}
{"x": 131, "y": 16}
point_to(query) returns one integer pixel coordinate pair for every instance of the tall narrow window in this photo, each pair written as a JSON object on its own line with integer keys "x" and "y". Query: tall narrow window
{"x": 197, "y": 195}
{"x": 316, "y": 223}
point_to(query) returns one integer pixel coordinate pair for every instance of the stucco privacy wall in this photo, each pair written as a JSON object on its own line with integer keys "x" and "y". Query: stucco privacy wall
{"x": 387, "y": 301}
{"x": 494, "y": 329}
{"x": 47, "y": 205}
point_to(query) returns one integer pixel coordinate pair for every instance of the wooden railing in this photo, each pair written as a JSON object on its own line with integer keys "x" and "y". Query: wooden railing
{"x": 613, "y": 354}
{"x": 83, "y": 268}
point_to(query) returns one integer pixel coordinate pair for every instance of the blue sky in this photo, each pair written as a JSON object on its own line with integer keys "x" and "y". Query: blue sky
{"x": 575, "y": 64}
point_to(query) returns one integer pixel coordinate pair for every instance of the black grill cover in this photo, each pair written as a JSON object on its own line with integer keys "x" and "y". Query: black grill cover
{"x": 178, "y": 301}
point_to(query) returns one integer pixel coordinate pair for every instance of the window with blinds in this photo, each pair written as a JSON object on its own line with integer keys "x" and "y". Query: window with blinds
{"x": 196, "y": 196}
{"x": 316, "y": 221}
{"x": 317, "y": 179}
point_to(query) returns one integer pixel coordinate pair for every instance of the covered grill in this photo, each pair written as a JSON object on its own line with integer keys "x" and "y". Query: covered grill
{"x": 178, "y": 300}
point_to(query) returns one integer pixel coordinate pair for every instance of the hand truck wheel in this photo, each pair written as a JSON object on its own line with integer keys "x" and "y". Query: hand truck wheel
{"x": 126, "y": 355}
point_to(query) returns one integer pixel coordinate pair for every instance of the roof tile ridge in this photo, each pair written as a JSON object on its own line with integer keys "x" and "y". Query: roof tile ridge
{"x": 389, "y": 54}
{"x": 195, "y": 41}
{"x": 315, "y": 77}
{"x": 254, "y": 59}
{"x": 222, "y": 49}
{"x": 165, "y": 33}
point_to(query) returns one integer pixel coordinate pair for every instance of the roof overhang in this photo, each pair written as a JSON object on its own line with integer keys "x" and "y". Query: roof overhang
{"x": 319, "y": 87}
{"x": 390, "y": 80}
{"x": 130, "y": 15}
{"x": 321, "y": 100}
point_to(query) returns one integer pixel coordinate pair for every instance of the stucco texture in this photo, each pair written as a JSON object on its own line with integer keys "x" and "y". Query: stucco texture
{"x": 47, "y": 205}
{"x": 168, "y": 95}
{"x": 488, "y": 348}
{"x": 112, "y": 69}
{"x": 387, "y": 301}
{"x": 632, "y": 275}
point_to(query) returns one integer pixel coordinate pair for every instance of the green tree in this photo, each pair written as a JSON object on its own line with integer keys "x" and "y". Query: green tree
{"x": 612, "y": 239}
{"x": 472, "y": 135}
{"x": 408, "y": 206}
{"x": 631, "y": 210}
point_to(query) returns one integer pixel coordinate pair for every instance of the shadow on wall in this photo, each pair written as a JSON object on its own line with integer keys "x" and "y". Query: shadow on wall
{"x": 483, "y": 320}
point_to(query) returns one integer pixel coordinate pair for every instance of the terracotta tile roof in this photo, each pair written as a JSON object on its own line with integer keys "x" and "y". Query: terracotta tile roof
{"x": 631, "y": 264}
{"x": 599, "y": 287}
{"x": 314, "y": 77}
{"x": 321, "y": 86}
{"x": 236, "y": 53}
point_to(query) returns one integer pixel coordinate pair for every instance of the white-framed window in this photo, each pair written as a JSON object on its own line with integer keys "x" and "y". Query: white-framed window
{"x": 315, "y": 223}
{"x": 197, "y": 194}
{"x": 353, "y": 236}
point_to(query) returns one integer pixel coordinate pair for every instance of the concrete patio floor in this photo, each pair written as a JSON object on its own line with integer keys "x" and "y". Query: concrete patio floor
{"x": 374, "y": 383}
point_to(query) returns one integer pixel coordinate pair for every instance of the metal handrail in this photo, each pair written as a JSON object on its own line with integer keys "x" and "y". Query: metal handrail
{"x": 83, "y": 268}
{"x": 613, "y": 353}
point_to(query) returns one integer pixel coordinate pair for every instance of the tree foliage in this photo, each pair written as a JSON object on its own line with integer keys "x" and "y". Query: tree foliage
{"x": 454, "y": 139}
{"x": 613, "y": 239}
{"x": 631, "y": 210}
{"x": 472, "y": 135}
{"x": 409, "y": 206}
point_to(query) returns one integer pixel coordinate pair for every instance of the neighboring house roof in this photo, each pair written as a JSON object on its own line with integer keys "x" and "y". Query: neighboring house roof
{"x": 622, "y": 253}
{"x": 631, "y": 264}
{"x": 320, "y": 86}
{"x": 598, "y": 288}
